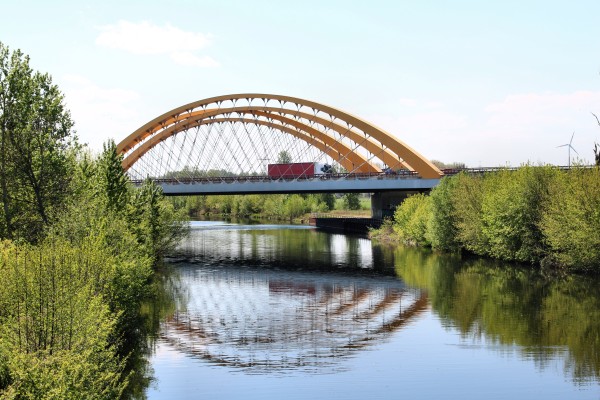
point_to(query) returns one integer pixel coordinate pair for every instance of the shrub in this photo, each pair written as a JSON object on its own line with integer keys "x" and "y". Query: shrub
{"x": 571, "y": 219}
{"x": 511, "y": 212}
{"x": 441, "y": 228}
{"x": 467, "y": 198}
{"x": 412, "y": 218}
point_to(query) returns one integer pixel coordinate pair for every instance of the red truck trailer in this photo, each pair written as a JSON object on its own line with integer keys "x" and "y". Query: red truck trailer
{"x": 297, "y": 170}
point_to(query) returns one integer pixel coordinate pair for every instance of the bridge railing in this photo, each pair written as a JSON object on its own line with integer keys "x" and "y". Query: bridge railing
{"x": 266, "y": 178}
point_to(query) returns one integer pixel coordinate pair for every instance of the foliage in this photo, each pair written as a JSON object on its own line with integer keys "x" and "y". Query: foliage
{"x": 328, "y": 199}
{"x": 537, "y": 215}
{"x": 467, "y": 199}
{"x": 452, "y": 165}
{"x": 511, "y": 211}
{"x": 571, "y": 219}
{"x": 351, "y": 201}
{"x": 56, "y": 320}
{"x": 114, "y": 183}
{"x": 36, "y": 148}
{"x": 284, "y": 157}
{"x": 385, "y": 233}
{"x": 278, "y": 206}
{"x": 154, "y": 221}
{"x": 411, "y": 220}
{"x": 442, "y": 230}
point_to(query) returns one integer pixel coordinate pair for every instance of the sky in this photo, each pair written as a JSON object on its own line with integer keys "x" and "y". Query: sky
{"x": 486, "y": 83}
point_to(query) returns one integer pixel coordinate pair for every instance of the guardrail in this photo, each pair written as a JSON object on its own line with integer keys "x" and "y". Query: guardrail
{"x": 265, "y": 178}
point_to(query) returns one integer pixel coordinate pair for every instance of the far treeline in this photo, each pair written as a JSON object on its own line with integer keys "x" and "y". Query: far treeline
{"x": 542, "y": 215}
{"x": 78, "y": 246}
{"x": 270, "y": 206}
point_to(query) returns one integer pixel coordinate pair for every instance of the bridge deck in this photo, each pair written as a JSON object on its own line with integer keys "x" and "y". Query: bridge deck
{"x": 340, "y": 183}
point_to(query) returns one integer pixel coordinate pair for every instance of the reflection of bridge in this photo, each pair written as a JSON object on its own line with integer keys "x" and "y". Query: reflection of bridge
{"x": 276, "y": 321}
{"x": 224, "y": 144}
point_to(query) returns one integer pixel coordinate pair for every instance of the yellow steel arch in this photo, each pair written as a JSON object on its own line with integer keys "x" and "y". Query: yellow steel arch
{"x": 409, "y": 156}
{"x": 350, "y": 160}
{"x": 391, "y": 159}
{"x": 347, "y": 162}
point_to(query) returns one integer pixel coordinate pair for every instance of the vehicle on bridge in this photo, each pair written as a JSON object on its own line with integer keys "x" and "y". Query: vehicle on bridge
{"x": 298, "y": 170}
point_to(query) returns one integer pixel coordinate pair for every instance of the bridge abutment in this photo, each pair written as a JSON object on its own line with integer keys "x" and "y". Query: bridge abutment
{"x": 383, "y": 204}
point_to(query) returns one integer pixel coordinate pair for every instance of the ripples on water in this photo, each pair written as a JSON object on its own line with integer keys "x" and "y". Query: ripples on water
{"x": 327, "y": 313}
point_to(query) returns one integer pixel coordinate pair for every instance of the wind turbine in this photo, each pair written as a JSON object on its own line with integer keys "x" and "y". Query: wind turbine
{"x": 570, "y": 147}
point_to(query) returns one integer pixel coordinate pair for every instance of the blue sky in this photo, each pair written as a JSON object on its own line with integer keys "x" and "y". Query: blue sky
{"x": 486, "y": 83}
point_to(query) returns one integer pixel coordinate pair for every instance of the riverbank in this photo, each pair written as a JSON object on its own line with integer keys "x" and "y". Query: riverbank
{"x": 542, "y": 216}
{"x": 291, "y": 208}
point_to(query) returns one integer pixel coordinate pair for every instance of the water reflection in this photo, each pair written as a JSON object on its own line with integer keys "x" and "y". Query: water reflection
{"x": 544, "y": 318}
{"x": 272, "y": 298}
{"x": 286, "y": 246}
{"x": 265, "y": 320}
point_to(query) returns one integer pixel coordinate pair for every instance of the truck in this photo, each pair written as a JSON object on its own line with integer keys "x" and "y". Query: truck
{"x": 298, "y": 170}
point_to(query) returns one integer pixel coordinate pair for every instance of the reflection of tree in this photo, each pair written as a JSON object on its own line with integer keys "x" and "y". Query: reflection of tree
{"x": 165, "y": 294}
{"x": 281, "y": 248}
{"x": 512, "y": 306}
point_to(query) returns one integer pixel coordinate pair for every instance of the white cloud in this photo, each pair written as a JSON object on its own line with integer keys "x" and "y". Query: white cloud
{"x": 145, "y": 38}
{"x": 99, "y": 113}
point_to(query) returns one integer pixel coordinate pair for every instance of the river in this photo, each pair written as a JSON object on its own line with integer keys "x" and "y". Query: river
{"x": 290, "y": 312}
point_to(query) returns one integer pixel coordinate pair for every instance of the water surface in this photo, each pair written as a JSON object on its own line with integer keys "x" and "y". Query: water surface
{"x": 271, "y": 312}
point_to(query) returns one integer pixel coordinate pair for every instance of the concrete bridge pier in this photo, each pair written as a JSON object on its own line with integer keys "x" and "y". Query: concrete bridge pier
{"x": 383, "y": 204}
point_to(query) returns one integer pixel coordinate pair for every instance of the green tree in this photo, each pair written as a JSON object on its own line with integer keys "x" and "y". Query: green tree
{"x": 36, "y": 136}
{"x": 329, "y": 200}
{"x": 284, "y": 157}
{"x": 441, "y": 229}
{"x": 114, "y": 181}
{"x": 351, "y": 201}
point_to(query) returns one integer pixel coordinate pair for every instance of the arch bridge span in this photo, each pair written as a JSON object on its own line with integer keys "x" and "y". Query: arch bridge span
{"x": 225, "y": 144}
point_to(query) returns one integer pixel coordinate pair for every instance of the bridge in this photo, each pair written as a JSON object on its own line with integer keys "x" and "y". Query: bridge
{"x": 230, "y": 144}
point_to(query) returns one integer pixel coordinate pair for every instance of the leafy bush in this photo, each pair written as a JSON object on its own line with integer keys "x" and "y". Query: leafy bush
{"x": 412, "y": 218}
{"x": 441, "y": 228}
{"x": 511, "y": 212}
{"x": 571, "y": 219}
{"x": 56, "y": 323}
{"x": 467, "y": 199}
